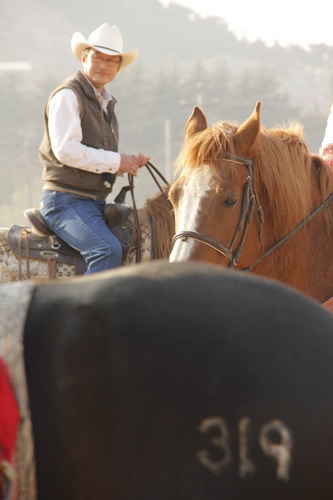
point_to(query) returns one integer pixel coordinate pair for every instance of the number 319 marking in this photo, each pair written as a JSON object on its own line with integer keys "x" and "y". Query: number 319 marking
{"x": 280, "y": 449}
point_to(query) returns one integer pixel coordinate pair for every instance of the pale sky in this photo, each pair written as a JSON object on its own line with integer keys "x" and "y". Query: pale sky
{"x": 286, "y": 21}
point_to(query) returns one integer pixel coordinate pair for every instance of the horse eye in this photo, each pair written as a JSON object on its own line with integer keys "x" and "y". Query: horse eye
{"x": 229, "y": 202}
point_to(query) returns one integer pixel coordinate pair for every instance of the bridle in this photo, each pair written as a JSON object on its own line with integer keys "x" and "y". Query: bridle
{"x": 250, "y": 199}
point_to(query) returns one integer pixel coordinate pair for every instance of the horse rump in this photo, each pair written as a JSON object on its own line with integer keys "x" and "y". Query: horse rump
{"x": 180, "y": 381}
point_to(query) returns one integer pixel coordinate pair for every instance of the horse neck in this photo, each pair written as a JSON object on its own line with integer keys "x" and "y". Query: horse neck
{"x": 304, "y": 261}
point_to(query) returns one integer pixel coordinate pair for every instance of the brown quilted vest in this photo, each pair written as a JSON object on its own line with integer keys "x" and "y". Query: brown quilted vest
{"x": 99, "y": 130}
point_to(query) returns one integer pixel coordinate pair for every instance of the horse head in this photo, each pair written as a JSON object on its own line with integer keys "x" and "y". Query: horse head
{"x": 214, "y": 196}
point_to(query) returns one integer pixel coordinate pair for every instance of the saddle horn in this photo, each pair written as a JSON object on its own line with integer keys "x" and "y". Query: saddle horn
{"x": 120, "y": 198}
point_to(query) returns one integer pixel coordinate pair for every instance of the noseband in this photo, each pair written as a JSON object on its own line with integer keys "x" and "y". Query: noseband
{"x": 249, "y": 200}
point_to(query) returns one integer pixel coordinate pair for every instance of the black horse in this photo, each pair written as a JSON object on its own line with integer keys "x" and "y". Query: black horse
{"x": 179, "y": 381}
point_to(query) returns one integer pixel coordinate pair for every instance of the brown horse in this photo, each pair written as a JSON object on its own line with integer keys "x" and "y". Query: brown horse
{"x": 255, "y": 198}
{"x": 153, "y": 228}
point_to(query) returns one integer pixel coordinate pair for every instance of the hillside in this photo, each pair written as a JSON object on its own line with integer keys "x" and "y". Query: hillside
{"x": 183, "y": 59}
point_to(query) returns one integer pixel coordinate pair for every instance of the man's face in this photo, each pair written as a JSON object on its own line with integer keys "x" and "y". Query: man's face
{"x": 100, "y": 68}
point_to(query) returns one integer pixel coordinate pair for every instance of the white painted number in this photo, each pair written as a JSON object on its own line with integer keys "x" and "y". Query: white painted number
{"x": 246, "y": 466}
{"x": 221, "y": 441}
{"x": 280, "y": 450}
{"x": 275, "y": 440}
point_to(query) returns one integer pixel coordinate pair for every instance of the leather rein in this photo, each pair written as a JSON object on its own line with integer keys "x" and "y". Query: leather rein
{"x": 249, "y": 200}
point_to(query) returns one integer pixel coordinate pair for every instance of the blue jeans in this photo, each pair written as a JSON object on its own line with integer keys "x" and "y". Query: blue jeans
{"x": 79, "y": 221}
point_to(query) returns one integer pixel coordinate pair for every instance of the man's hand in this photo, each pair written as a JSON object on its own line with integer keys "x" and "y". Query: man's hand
{"x": 142, "y": 159}
{"x": 131, "y": 163}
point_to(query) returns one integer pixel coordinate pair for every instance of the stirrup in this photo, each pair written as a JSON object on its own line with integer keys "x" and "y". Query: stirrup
{"x": 36, "y": 220}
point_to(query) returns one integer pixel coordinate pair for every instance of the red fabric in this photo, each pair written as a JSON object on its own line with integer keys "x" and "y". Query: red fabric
{"x": 327, "y": 154}
{"x": 9, "y": 417}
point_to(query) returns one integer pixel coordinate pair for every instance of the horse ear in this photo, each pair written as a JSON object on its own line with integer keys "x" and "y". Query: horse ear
{"x": 196, "y": 123}
{"x": 246, "y": 134}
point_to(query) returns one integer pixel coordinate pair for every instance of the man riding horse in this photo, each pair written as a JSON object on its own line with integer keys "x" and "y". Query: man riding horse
{"x": 79, "y": 150}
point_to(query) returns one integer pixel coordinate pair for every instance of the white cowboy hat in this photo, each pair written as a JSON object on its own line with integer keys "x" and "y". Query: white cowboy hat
{"x": 106, "y": 39}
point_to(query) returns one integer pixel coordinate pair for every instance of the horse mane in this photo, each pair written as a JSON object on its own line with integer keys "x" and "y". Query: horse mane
{"x": 290, "y": 182}
{"x": 160, "y": 211}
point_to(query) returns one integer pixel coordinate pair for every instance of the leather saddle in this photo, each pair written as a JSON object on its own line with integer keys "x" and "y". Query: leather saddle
{"x": 39, "y": 242}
